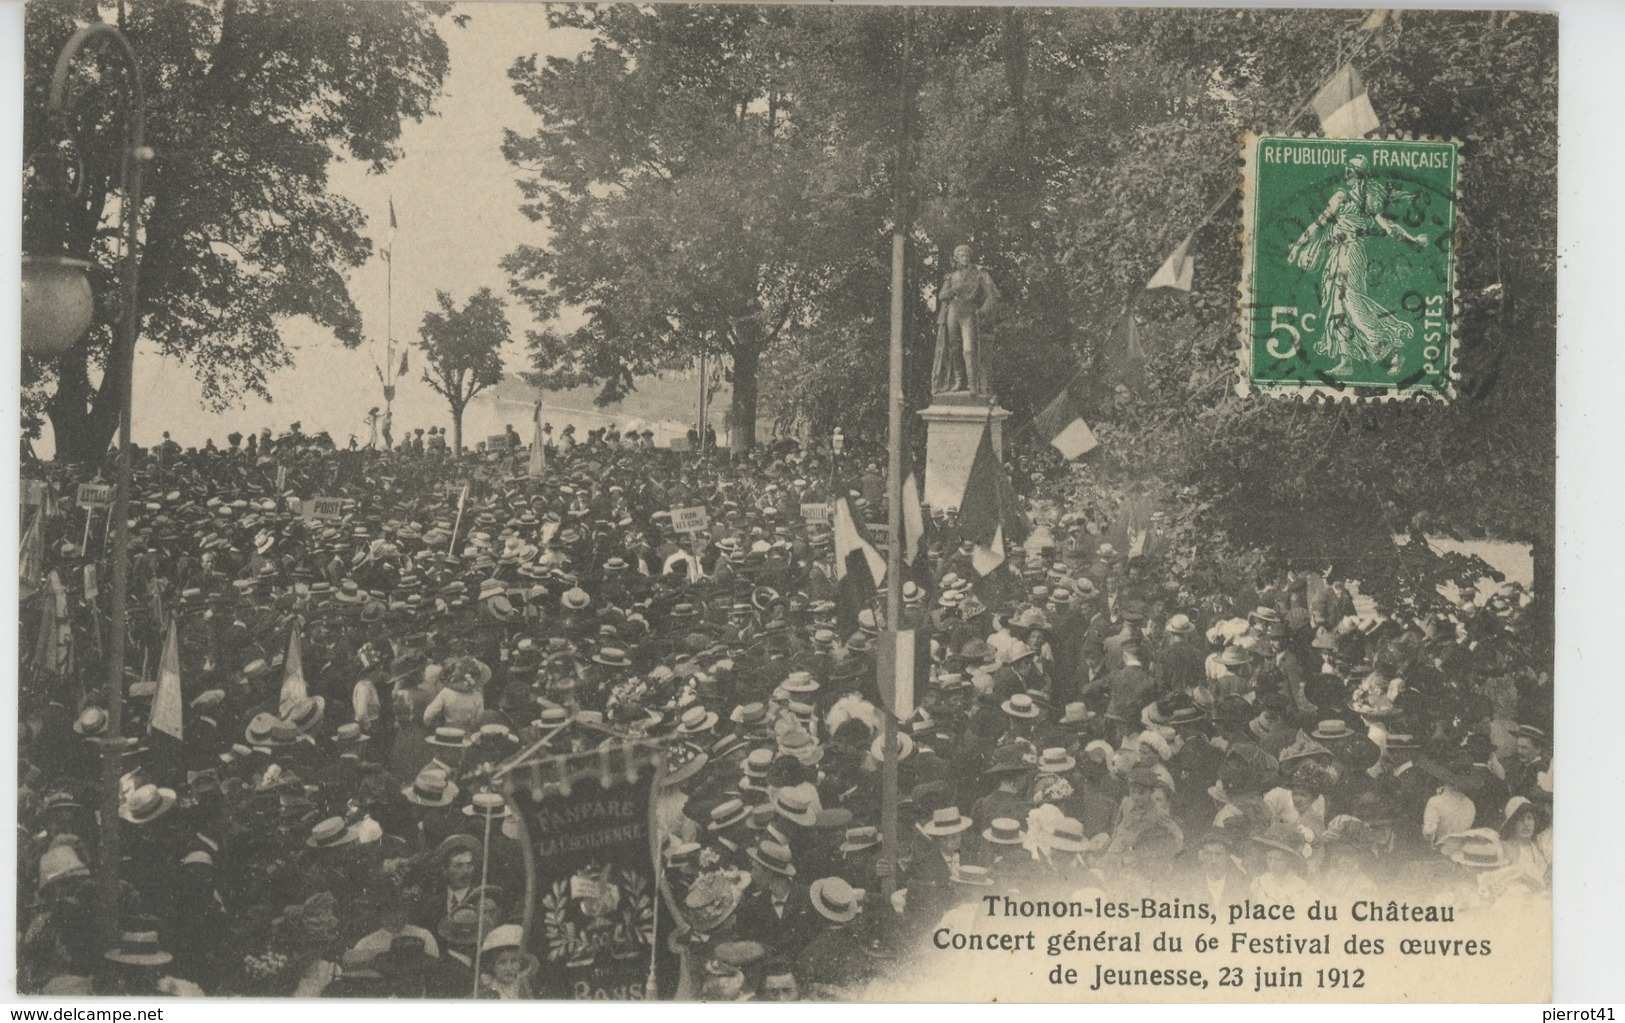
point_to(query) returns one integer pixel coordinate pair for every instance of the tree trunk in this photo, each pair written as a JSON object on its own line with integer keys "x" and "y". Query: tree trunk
{"x": 457, "y": 429}
{"x": 742, "y": 415}
{"x": 1543, "y": 632}
{"x": 84, "y": 418}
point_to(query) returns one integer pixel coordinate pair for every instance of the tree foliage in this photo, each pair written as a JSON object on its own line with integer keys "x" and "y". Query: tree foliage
{"x": 685, "y": 214}
{"x": 249, "y": 104}
{"x": 1074, "y": 149}
{"x": 463, "y": 350}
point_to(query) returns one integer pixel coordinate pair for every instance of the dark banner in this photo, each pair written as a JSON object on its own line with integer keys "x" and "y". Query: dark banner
{"x": 593, "y": 888}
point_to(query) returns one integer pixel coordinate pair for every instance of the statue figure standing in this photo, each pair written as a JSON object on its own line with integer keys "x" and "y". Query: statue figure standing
{"x": 967, "y": 297}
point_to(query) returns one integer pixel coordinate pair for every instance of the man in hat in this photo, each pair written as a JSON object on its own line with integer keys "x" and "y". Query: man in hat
{"x": 934, "y": 864}
{"x": 457, "y": 860}
{"x": 836, "y": 957}
{"x": 776, "y": 909}
{"x": 1128, "y": 687}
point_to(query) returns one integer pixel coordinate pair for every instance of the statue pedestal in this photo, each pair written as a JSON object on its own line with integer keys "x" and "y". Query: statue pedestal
{"x": 952, "y": 431}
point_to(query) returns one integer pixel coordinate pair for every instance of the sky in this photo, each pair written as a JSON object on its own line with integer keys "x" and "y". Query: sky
{"x": 458, "y": 214}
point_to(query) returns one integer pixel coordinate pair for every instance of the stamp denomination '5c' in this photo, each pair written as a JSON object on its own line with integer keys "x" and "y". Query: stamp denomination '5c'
{"x": 1348, "y": 278}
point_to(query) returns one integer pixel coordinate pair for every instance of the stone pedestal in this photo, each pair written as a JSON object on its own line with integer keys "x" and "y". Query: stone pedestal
{"x": 952, "y": 431}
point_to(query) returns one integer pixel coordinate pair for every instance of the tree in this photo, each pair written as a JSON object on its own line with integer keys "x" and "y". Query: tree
{"x": 249, "y": 103}
{"x": 463, "y": 349}
{"x": 684, "y": 213}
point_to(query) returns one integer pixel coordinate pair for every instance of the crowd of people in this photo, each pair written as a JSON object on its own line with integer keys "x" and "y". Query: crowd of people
{"x": 1086, "y": 721}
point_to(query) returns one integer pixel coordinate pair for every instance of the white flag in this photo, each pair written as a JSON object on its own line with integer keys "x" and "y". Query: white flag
{"x": 167, "y": 707}
{"x": 538, "y": 453}
{"x": 1177, "y": 271}
{"x": 913, "y": 520}
{"x": 1344, "y": 108}
{"x": 848, "y": 538}
{"x": 293, "y": 674}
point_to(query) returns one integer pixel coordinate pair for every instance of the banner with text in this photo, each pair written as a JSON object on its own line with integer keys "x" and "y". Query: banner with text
{"x": 593, "y": 888}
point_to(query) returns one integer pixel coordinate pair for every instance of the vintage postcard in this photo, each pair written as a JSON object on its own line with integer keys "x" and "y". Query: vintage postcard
{"x": 766, "y": 502}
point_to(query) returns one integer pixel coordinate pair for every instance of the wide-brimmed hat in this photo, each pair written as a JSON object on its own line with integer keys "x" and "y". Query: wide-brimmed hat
{"x": 800, "y": 682}
{"x": 801, "y": 745}
{"x": 795, "y": 804}
{"x": 1175, "y": 712}
{"x": 487, "y": 805}
{"x": 430, "y": 788}
{"x": 905, "y": 746}
{"x": 1285, "y": 837}
{"x": 91, "y": 721}
{"x": 1021, "y": 705}
{"x": 1334, "y": 728}
{"x": 448, "y": 736}
{"x": 1003, "y": 831}
{"x": 860, "y": 838}
{"x": 726, "y": 814}
{"x": 1300, "y": 748}
{"x": 774, "y": 856}
{"x": 835, "y": 899}
{"x": 506, "y": 938}
{"x": 710, "y": 901}
{"x": 1009, "y": 759}
{"x": 1066, "y": 835}
{"x": 466, "y": 923}
{"x": 1479, "y": 848}
{"x": 1076, "y": 713}
{"x": 612, "y": 657}
{"x": 946, "y": 821}
{"x": 306, "y": 714}
{"x": 350, "y": 732}
{"x": 682, "y": 762}
{"x": 146, "y": 803}
{"x": 697, "y": 719}
{"x": 330, "y": 833}
{"x": 1056, "y": 760}
{"x": 138, "y": 945}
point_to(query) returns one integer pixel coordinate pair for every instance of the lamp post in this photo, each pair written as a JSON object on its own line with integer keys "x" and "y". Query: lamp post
{"x": 57, "y": 308}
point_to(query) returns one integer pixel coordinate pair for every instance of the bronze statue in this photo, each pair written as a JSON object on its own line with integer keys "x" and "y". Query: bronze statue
{"x": 967, "y": 297}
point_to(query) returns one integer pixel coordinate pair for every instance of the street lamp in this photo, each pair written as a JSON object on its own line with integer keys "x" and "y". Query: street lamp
{"x": 57, "y": 304}
{"x": 57, "y": 311}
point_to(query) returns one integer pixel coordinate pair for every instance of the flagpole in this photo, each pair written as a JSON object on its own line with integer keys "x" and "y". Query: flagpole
{"x": 894, "y": 467}
{"x": 389, "y": 314}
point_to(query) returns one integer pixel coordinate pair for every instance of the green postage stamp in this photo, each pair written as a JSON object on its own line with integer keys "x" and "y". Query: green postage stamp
{"x": 1349, "y": 267}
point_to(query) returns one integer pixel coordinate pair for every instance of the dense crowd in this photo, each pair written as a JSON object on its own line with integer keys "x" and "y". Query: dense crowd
{"x": 1087, "y": 721}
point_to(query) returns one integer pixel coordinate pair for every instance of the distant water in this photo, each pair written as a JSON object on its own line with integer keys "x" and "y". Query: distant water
{"x": 332, "y": 389}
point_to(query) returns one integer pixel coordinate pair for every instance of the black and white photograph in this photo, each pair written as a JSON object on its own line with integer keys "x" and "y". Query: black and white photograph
{"x": 787, "y": 502}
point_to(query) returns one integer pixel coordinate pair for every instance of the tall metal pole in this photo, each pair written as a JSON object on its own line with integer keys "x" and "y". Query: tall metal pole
{"x": 389, "y": 331}
{"x": 701, "y": 426}
{"x": 894, "y": 462}
{"x": 135, "y": 156}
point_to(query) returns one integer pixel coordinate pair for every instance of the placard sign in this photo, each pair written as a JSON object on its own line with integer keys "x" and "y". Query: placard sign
{"x": 95, "y": 495}
{"x": 690, "y": 520}
{"x": 324, "y": 508}
{"x": 815, "y": 514}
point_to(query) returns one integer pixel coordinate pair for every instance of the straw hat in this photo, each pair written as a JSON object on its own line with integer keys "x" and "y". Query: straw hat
{"x": 1021, "y": 705}
{"x": 944, "y": 822}
{"x": 138, "y": 945}
{"x": 146, "y": 803}
{"x": 835, "y": 899}
{"x": 430, "y": 788}
{"x": 1004, "y": 831}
